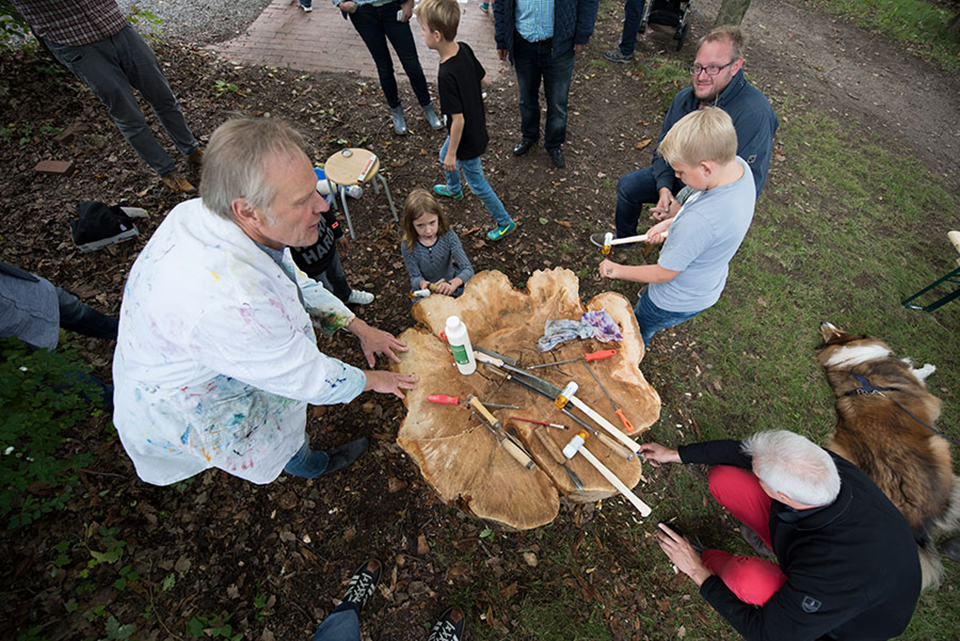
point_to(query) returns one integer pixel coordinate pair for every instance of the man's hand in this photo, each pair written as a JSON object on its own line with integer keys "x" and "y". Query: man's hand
{"x": 376, "y": 341}
{"x": 608, "y": 268}
{"x": 407, "y": 8}
{"x": 389, "y": 382}
{"x": 656, "y": 453}
{"x": 662, "y": 210}
{"x": 343, "y": 245}
{"x": 682, "y": 554}
{"x": 450, "y": 162}
{"x": 578, "y": 48}
{"x": 656, "y": 233}
{"x": 348, "y": 6}
{"x": 502, "y": 54}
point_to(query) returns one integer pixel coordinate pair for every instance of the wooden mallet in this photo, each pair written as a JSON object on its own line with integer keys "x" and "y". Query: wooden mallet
{"x": 576, "y": 445}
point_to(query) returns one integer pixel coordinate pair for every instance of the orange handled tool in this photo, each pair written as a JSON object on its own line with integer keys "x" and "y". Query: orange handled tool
{"x": 592, "y": 356}
{"x": 627, "y": 425}
{"x": 443, "y": 399}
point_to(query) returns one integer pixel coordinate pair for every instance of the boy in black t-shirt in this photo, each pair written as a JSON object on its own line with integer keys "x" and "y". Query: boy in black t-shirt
{"x": 460, "y": 83}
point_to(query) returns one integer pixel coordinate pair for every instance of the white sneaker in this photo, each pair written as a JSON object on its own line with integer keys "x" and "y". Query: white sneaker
{"x": 360, "y": 297}
{"x": 306, "y": 9}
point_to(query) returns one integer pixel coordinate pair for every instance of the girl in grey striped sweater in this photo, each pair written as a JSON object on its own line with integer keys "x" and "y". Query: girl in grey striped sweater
{"x": 431, "y": 250}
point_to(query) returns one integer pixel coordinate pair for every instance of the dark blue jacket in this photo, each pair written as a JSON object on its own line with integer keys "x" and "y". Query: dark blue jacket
{"x": 752, "y": 116}
{"x": 573, "y": 22}
{"x": 852, "y": 568}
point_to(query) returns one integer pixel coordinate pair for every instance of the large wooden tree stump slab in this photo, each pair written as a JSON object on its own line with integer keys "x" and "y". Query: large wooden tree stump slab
{"x": 459, "y": 457}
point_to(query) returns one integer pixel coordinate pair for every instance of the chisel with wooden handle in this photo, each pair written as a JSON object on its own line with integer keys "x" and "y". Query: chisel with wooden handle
{"x": 491, "y": 422}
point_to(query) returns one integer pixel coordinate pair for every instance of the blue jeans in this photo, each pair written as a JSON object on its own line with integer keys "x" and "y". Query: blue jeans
{"x": 473, "y": 172}
{"x": 375, "y": 25}
{"x": 307, "y": 463}
{"x": 534, "y": 61}
{"x": 112, "y": 68}
{"x": 634, "y": 190}
{"x": 343, "y": 624}
{"x": 632, "y": 14}
{"x": 652, "y": 319}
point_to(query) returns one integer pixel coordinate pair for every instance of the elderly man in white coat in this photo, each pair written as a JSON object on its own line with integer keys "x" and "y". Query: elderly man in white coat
{"x": 216, "y": 356}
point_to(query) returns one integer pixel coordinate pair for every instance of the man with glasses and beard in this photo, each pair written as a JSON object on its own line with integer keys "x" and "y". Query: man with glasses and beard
{"x": 716, "y": 80}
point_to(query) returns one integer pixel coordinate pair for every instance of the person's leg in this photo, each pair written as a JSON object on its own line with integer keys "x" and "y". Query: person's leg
{"x": 143, "y": 71}
{"x": 367, "y": 23}
{"x": 343, "y": 624}
{"x": 99, "y": 66}
{"x": 334, "y": 279}
{"x": 557, "y": 74}
{"x": 632, "y": 14}
{"x": 401, "y": 37}
{"x": 738, "y": 490}
{"x": 652, "y": 318}
{"x": 452, "y": 177}
{"x": 752, "y": 579}
{"x": 76, "y": 316}
{"x": 473, "y": 172}
{"x": 634, "y": 190}
{"x": 528, "y": 87}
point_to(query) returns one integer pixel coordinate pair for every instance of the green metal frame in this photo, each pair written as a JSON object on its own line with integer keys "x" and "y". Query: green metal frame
{"x": 952, "y": 277}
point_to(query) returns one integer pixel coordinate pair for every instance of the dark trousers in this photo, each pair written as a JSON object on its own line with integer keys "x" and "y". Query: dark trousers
{"x": 534, "y": 62}
{"x": 375, "y": 25}
{"x": 79, "y": 317}
{"x": 112, "y": 68}
{"x": 632, "y": 14}
{"x": 634, "y": 190}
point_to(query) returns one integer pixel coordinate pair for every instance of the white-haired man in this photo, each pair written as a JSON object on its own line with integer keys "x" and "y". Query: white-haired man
{"x": 216, "y": 356}
{"x": 847, "y": 564}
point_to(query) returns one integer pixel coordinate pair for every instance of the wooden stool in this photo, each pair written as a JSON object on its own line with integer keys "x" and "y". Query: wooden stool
{"x": 355, "y": 167}
{"x": 952, "y": 277}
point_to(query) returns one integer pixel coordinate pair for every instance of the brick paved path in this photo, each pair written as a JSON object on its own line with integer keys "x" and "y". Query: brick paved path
{"x": 323, "y": 41}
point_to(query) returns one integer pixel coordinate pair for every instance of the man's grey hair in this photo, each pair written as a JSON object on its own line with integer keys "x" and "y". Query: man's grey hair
{"x": 235, "y": 162}
{"x": 792, "y": 464}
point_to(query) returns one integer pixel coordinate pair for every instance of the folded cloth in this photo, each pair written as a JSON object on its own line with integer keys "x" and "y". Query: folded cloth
{"x": 596, "y": 324}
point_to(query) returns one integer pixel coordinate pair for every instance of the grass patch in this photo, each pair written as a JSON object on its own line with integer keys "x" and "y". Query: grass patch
{"x": 920, "y": 26}
{"x": 840, "y": 234}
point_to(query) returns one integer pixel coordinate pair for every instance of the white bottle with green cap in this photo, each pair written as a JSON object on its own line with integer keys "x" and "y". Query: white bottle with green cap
{"x": 460, "y": 344}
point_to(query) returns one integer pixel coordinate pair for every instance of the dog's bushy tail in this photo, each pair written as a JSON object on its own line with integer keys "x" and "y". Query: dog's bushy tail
{"x": 946, "y": 523}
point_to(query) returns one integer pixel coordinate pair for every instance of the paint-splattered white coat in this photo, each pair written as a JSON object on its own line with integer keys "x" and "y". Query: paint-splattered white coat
{"x": 216, "y": 357}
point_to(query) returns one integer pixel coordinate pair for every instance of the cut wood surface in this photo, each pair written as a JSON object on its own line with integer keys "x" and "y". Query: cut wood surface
{"x": 460, "y": 458}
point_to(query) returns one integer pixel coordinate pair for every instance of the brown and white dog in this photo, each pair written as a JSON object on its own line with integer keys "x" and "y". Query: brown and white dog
{"x": 883, "y": 413}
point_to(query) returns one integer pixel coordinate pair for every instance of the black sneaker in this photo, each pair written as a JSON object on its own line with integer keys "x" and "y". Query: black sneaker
{"x": 344, "y": 456}
{"x": 557, "y": 157}
{"x": 363, "y": 583}
{"x": 449, "y": 627}
{"x": 694, "y": 542}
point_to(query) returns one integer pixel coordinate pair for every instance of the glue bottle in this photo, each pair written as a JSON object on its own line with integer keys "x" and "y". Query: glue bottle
{"x": 460, "y": 344}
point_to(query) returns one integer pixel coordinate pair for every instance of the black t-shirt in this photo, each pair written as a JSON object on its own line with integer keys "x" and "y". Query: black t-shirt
{"x": 460, "y": 93}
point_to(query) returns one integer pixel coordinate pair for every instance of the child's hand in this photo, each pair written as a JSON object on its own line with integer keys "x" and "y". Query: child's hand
{"x": 450, "y": 162}
{"x": 449, "y": 288}
{"x": 656, "y": 233}
{"x": 343, "y": 245}
{"x": 608, "y": 269}
{"x": 424, "y": 284}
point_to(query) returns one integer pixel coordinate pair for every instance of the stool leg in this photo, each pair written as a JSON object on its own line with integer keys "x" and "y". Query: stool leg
{"x": 333, "y": 191}
{"x": 346, "y": 210}
{"x": 952, "y": 277}
{"x": 386, "y": 188}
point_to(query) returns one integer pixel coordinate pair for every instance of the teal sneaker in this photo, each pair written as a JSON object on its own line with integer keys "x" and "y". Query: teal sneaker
{"x": 485, "y": 7}
{"x": 500, "y": 232}
{"x": 441, "y": 190}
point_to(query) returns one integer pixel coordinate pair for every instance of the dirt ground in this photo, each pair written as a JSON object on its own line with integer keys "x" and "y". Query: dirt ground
{"x": 274, "y": 557}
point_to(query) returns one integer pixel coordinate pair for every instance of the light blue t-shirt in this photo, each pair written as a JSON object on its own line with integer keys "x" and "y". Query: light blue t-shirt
{"x": 703, "y": 238}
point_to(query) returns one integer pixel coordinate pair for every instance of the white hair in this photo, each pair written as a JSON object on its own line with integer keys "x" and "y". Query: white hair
{"x": 792, "y": 464}
{"x": 236, "y": 160}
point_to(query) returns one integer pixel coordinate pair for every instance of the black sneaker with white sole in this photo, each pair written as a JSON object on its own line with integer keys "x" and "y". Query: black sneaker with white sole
{"x": 363, "y": 583}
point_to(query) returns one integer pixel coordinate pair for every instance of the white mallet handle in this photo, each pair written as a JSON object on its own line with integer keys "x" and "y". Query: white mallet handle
{"x": 642, "y": 238}
{"x": 642, "y": 507}
{"x": 631, "y": 444}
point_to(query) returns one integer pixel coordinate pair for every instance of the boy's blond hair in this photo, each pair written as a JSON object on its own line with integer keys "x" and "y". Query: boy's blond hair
{"x": 704, "y": 135}
{"x": 440, "y": 15}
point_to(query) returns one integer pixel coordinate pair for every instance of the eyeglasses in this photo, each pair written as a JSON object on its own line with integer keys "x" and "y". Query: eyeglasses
{"x": 711, "y": 70}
